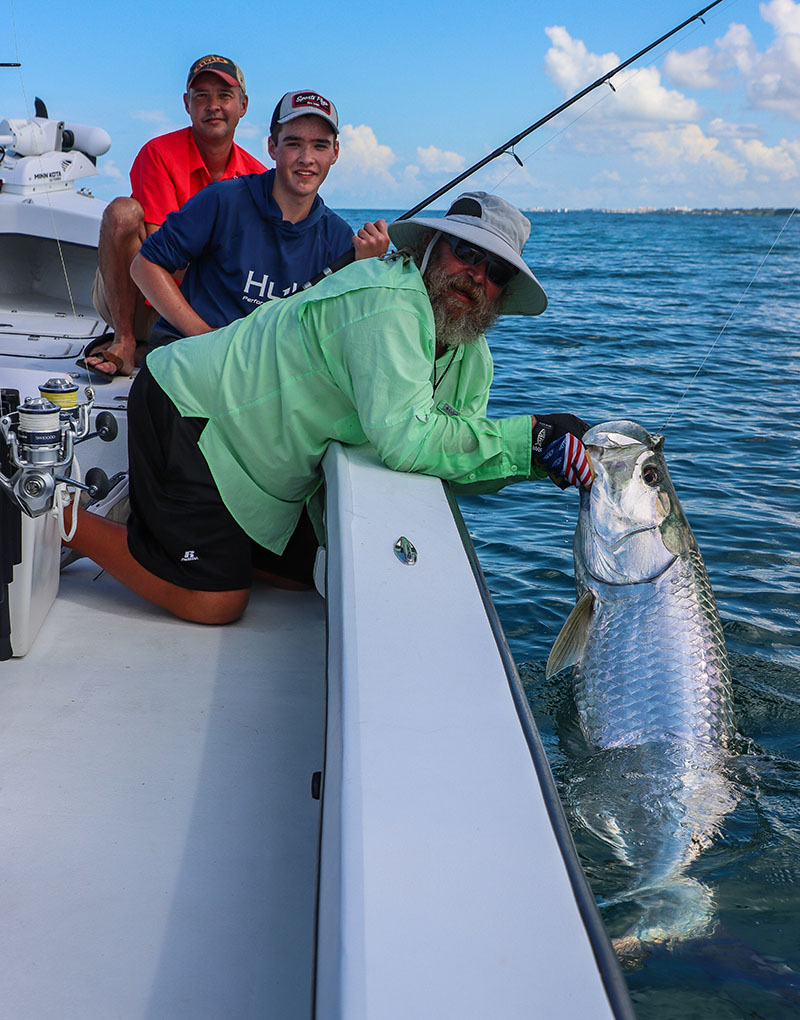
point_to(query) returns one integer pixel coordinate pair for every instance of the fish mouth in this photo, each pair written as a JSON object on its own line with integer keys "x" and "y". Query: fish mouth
{"x": 614, "y": 546}
{"x": 627, "y": 581}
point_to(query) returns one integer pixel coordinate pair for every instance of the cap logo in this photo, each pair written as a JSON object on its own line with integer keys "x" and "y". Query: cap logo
{"x": 465, "y": 207}
{"x": 311, "y": 99}
{"x": 208, "y": 60}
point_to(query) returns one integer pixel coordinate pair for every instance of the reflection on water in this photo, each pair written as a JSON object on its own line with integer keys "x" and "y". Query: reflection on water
{"x": 635, "y": 304}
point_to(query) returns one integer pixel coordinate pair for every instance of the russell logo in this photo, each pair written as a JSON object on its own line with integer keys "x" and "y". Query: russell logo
{"x": 190, "y": 557}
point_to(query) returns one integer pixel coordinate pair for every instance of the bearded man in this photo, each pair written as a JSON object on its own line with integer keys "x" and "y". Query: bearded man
{"x": 227, "y": 430}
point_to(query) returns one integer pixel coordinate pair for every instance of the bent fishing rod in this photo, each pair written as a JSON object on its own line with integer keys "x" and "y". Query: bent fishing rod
{"x": 508, "y": 147}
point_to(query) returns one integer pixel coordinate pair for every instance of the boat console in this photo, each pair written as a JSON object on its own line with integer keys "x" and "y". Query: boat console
{"x": 49, "y": 230}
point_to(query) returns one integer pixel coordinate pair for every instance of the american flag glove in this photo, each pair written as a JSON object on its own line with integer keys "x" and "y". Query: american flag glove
{"x": 566, "y": 458}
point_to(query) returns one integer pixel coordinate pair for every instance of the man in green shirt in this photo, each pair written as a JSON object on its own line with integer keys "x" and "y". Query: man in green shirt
{"x": 227, "y": 430}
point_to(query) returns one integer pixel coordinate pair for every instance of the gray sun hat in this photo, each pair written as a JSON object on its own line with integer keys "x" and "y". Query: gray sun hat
{"x": 496, "y": 226}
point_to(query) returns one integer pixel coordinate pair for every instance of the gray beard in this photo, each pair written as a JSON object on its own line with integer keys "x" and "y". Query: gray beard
{"x": 458, "y": 325}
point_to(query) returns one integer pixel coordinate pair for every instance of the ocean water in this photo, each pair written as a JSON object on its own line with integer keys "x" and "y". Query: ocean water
{"x": 690, "y": 325}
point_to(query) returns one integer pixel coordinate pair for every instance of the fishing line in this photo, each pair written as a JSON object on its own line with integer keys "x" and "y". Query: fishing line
{"x": 727, "y": 322}
{"x": 508, "y": 146}
{"x": 606, "y": 95}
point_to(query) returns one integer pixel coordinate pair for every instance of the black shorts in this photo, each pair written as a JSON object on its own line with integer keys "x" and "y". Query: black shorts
{"x": 179, "y": 529}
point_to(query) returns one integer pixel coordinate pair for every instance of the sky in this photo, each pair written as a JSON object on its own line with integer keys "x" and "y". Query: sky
{"x": 425, "y": 89}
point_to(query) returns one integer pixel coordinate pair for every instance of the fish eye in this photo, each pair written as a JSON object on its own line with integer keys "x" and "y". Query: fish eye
{"x": 650, "y": 475}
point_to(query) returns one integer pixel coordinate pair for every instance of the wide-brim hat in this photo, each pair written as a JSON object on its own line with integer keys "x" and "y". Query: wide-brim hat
{"x": 493, "y": 224}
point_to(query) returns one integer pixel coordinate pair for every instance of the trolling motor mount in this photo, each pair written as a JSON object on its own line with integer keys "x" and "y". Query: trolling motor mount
{"x": 40, "y": 437}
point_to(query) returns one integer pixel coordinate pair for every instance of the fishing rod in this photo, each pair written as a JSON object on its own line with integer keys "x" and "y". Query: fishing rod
{"x": 508, "y": 147}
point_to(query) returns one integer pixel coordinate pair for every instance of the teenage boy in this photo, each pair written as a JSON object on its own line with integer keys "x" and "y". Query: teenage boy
{"x": 249, "y": 241}
{"x": 167, "y": 171}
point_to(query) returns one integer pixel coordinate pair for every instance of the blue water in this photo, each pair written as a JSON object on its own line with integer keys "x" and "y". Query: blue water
{"x": 636, "y": 303}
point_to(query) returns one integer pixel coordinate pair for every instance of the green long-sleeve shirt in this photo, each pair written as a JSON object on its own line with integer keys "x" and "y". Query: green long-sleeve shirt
{"x": 351, "y": 359}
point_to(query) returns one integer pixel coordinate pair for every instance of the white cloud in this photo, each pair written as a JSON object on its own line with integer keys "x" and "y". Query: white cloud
{"x": 737, "y": 48}
{"x": 707, "y": 67}
{"x": 363, "y": 171}
{"x": 110, "y": 169}
{"x": 250, "y": 129}
{"x": 158, "y": 121}
{"x": 775, "y": 83}
{"x": 771, "y": 78}
{"x": 777, "y": 161}
{"x": 639, "y": 93}
{"x": 439, "y": 160}
{"x": 370, "y": 172}
{"x": 725, "y": 129}
{"x": 570, "y": 65}
{"x": 783, "y": 15}
{"x": 151, "y": 116}
{"x": 676, "y": 150}
{"x": 692, "y": 69}
{"x": 361, "y": 150}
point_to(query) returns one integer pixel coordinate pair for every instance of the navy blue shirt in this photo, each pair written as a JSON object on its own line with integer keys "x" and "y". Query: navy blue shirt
{"x": 239, "y": 250}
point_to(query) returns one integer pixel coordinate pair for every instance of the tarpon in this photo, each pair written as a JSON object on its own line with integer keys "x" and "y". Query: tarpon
{"x": 651, "y": 685}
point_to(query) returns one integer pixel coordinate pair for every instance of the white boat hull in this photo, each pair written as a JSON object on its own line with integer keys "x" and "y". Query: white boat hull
{"x": 164, "y": 853}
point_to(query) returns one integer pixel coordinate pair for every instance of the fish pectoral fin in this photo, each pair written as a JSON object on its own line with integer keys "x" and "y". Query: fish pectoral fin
{"x": 568, "y": 646}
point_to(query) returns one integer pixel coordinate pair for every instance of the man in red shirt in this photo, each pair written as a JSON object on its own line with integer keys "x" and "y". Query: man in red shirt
{"x": 166, "y": 173}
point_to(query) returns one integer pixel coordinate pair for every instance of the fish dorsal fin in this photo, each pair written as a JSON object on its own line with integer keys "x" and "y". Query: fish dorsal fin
{"x": 568, "y": 646}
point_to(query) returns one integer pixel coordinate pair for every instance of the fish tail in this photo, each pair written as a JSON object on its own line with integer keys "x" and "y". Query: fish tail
{"x": 681, "y": 909}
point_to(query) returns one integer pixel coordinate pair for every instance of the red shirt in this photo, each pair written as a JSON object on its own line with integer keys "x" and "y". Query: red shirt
{"x": 169, "y": 170}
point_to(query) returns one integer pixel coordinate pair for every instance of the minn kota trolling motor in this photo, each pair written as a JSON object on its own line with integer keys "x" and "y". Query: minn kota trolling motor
{"x": 39, "y": 477}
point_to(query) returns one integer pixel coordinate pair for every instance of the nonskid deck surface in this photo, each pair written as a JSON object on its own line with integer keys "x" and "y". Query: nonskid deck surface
{"x": 42, "y": 316}
{"x": 159, "y": 839}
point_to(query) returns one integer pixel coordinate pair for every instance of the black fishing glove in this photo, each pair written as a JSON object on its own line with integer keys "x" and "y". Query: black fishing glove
{"x": 557, "y": 447}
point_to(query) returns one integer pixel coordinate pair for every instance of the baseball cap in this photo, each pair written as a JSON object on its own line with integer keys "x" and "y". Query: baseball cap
{"x": 223, "y": 66}
{"x": 301, "y": 104}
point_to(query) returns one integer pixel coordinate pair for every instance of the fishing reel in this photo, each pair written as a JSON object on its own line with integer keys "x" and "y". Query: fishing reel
{"x": 38, "y": 441}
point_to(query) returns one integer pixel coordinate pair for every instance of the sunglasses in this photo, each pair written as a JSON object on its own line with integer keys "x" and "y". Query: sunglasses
{"x": 498, "y": 271}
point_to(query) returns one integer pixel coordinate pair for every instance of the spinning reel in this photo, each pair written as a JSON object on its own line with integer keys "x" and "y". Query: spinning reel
{"x": 39, "y": 441}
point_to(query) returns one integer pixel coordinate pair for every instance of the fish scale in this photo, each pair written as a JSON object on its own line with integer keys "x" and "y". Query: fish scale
{"x": 654, "y": 664}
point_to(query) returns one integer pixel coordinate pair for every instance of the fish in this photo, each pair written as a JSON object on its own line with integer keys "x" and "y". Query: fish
{"x": 652, "y": 688}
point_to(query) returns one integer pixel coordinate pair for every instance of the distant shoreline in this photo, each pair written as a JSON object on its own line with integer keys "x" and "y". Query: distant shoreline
{"x": 679, "y": 211}
{"x": 649, "y": 210}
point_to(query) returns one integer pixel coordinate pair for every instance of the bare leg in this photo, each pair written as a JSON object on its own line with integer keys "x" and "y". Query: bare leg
{"x": 122, "y": 232}
{"x": 106, "y": 543}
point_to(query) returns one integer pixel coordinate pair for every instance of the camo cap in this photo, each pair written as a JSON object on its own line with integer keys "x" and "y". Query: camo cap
{"x": 223, "y": 66}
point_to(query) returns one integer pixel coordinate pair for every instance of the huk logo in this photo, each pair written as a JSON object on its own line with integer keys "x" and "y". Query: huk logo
{"x": 264, "y": 288}
{"x": 190, "y": 557}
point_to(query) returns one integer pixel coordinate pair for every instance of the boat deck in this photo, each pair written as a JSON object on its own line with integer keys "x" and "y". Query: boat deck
{"x": 141, "y": 876}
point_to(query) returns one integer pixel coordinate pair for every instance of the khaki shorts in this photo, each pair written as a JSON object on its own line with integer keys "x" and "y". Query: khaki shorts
{"x": 144, "y": 318}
